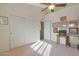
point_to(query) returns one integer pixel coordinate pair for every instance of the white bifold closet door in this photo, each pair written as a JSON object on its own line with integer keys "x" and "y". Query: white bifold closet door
{"x": 17, "y": 31}
{"x": 23, "y": 31}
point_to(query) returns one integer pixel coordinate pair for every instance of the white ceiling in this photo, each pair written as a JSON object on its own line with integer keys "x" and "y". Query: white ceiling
{"x": 44, "y": 6}
{"x": 38, "y": 5}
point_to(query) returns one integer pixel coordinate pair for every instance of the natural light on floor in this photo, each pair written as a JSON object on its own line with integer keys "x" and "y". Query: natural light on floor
{"x": 42, "y": 48}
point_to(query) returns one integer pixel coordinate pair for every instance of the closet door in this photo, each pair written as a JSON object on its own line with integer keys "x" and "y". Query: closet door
{"x": 18, "y": 34}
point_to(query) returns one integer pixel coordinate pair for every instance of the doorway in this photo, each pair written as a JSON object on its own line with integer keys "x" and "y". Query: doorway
{"x": 42, "y": 31}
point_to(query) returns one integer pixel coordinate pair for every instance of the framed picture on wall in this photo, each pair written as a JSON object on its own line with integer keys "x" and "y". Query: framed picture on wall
{"x": 73, "y": 30}
{"x": 55, "y": 27}
{"x": 63, "y": 18}
{"x": 3, "y": 20}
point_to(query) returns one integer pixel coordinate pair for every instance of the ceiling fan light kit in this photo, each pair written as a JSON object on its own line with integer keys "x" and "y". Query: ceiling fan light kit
{"x": 51, "y": 7}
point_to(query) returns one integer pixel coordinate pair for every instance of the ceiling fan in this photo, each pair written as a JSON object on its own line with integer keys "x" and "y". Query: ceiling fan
{"x": 51, "y": 6}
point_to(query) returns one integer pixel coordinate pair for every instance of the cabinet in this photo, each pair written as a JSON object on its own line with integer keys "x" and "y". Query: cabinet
{"x": 61, "y": 39}
{"x": 72, "y": 29}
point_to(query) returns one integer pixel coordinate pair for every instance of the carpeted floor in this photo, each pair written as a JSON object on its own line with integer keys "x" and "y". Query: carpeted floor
{"x": 42, "y": 48}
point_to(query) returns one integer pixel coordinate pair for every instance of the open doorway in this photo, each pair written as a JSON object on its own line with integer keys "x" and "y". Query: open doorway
{"x": 42, "y": 31}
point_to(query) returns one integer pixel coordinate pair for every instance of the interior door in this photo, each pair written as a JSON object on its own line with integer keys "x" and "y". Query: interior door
{"x": 17, "y": 28}
{"x": 42, "y": 31}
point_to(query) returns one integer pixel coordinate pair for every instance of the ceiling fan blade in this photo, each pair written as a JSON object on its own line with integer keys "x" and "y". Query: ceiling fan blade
{"x": 44, "y": 3}
{"x": 44, "y": 9}
{"x": 61, "y": 5}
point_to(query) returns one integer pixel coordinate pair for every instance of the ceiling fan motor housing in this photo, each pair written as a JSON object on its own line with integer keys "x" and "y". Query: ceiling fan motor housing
{"x": 52, "y": 10}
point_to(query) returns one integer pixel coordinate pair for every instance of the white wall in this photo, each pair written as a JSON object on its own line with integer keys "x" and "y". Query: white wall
{"x": 72, "y": 13}
{"x": 47, "y": 30}
{"x": 4, "y": 37}
{"x": 23, "y": 27}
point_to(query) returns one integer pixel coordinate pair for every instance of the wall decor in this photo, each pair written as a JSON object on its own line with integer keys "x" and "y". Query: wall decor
{"x": 3, "y": 20}
{"x": 63, "y": 18}
{"x": 73, "y": 30}
{"x": 55, "y": 27}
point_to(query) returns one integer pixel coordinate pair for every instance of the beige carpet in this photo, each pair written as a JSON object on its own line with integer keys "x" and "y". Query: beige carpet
{"x": 42, "y": 48}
